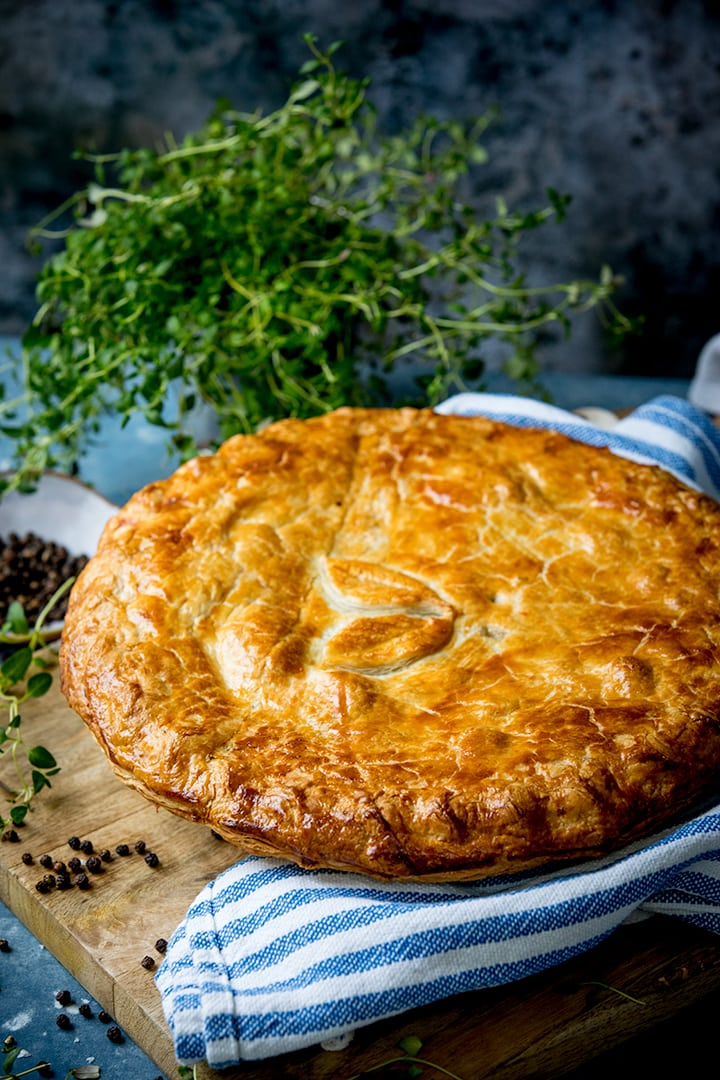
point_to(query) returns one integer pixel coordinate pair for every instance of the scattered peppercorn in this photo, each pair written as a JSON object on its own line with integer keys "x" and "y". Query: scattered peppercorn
{"x": 85, "y": 1010}
{"x": 74, "y": 865}
{"x": 63, "y": 997}
{"x": 11, "y": 836}
{"x": 74, "y": 843}
{"x": 140, "y": 847}
{"x": 114, "y": 1034}
{"x": 4, "y": 944}
{"x": 161, "y": 944}
{"x": 50, "y": 880}
{"x": 104, "y": 1017}
{"x": 148, "y": 963}
{"x": 86, "y": 846}
{"x": 44, "y": 1068}
{"x": 122, "y": 849}
{"x": 59, "y": 867}
{"x": 45, "y": 860}
{"x": 82, "y": 881}
{"x": 9, "y": 1042}
{"x": 105, "y": 855}
{"x": 151, "y": 859}
{"x": 27, "y": 858}
{"x": 94, "y": 865}
{"x": 63, "y": 1021}
{"x": 63, "y": 881}
{"x": 42, "y": 886}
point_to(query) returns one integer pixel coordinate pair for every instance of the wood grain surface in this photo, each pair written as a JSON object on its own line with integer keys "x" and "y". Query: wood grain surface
{"x": 545, "y": 1026}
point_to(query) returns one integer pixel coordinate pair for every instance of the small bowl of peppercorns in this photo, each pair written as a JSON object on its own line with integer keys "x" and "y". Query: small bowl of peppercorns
{"x": 46, "y": 537}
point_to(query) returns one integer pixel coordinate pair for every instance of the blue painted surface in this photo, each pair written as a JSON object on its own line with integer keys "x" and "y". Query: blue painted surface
{"x": 29, "y": 974}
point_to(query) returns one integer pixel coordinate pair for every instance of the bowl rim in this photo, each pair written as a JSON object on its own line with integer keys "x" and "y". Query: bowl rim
{"x": 57, "y": 475}
{"x": 50, "y": 631}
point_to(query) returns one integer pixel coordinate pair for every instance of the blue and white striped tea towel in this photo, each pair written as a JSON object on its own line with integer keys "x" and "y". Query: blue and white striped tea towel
{"x": 271, "y": 958}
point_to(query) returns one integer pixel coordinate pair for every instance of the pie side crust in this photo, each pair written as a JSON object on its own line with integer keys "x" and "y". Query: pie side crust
{"x": 409, "y": 645}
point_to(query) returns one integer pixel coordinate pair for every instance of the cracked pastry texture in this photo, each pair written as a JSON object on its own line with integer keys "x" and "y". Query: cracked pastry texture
{"x": 407, "y": 644}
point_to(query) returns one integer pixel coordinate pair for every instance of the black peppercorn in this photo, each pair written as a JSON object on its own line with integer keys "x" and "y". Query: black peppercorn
{"x": 151, "y": 859}
{"x": 74, "y": 865}
{"x": 82, "y": 881}
{"x": 59, "y": 867}
{"x": 46, "y": 861}
{"x": 27, "y": 858}
{"x": 11, "y": 836}
{"x": 161, "y": 944}
{"x": 86, "y": 846}
{"x": 44, "y": 1068}
{"x": 49, "y": 880}
{"x": 63, "y": 997}
{"x": 122, "y": 849}
{"x": 63, "y": 1021}
{"x": 63, "y": 881}
{"x": 140, "y": 847}
{"x": 85, "y": 1010}
{"x": 114, "y": 1034}
{"x": 74, "y": 843}
{"x": 94, "y": 865}
{"x": 4, "y": 944}
{"x": 148, "y": 963}
{"x": 105, "y": 855}
{"x": 104, "y": 1017}
{"x": 42, "y": 886}
{"x": 31, "y": 569}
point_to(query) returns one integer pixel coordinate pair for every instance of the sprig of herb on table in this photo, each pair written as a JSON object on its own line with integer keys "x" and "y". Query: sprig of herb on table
{"x": 24, "y": 674}
{"x": 280, "y": 265}
{"x": 11, "y": 1053}
{"x": 410, "y": 1047}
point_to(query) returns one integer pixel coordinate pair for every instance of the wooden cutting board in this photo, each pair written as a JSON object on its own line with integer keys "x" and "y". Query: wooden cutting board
{"x": 544, "y": 1026}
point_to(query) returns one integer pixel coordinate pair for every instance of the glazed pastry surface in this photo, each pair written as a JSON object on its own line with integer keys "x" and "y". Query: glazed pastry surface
{"x": 408, "y": 645}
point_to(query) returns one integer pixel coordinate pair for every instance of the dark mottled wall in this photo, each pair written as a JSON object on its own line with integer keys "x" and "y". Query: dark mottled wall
{"x": 615, "y": 103}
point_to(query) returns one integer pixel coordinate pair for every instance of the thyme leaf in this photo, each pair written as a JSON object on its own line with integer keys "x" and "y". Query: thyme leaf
{"x": 24, "y": 675}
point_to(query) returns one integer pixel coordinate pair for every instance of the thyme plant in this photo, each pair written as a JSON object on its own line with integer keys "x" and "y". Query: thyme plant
{"x": 278, "y": 265}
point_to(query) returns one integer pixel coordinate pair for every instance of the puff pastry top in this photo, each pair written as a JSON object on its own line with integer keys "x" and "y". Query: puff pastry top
{"x": 407, "y": 644}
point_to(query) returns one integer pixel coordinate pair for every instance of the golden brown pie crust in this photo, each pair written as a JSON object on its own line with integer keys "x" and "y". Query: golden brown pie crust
{"x": 407, "y": 644}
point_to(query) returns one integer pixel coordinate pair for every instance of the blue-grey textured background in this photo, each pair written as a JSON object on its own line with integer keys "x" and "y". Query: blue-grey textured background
{"x": 617, "y": 104}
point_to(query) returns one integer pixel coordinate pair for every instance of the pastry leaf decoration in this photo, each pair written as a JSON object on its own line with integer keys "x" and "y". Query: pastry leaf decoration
{"x": 388, "y": 619}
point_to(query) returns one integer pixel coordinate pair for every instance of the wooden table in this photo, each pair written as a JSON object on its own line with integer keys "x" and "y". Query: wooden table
{"x": 544, "y": 1026}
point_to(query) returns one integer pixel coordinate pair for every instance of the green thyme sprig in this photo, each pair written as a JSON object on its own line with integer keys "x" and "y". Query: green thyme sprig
{"x": 42, "y": 1068}
{"x": 8, "y": 1065}
{"x": 408, "y": 1059}
{"x": 24, "y": 674}
{"x": 280, "y": 265}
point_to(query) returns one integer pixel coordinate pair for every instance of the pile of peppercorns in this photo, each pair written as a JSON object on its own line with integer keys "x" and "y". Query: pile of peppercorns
{"x": 32, "y": 570}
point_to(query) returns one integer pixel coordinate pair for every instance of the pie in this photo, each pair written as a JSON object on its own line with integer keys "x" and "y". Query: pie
{"x": 408, "y": 645}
